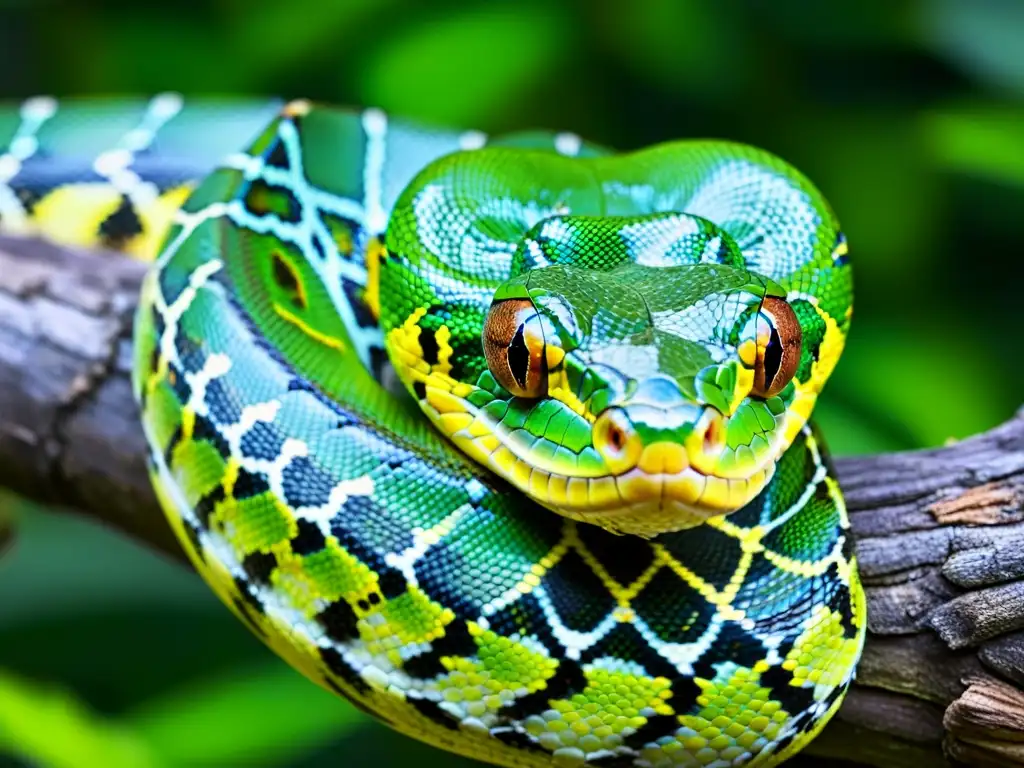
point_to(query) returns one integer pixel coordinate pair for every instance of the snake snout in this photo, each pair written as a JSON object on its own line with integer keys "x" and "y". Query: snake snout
{"x": 659, "y": 440}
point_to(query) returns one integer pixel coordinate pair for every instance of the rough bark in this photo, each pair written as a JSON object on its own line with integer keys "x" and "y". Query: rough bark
{"x": 69, "y": 428}
{"x": 940, "y": 533}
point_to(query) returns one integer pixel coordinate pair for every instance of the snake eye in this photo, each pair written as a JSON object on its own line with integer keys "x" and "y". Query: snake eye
{"x": 779, "y": 341}
{"x": 514, "y": 345}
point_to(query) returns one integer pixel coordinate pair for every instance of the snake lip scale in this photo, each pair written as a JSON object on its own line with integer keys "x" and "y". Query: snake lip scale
{"x": 586, "y": 518}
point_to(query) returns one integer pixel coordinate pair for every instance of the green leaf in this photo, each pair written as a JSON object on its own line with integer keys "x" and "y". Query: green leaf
{"x": 266, "y": 715}
{"x": 985, "y": 141}
{"x": 472, "y": 68}
{"x": 50, "y": 728}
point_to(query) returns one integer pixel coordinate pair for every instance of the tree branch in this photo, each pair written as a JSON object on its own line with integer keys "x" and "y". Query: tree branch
{"x": 69, "y": 430}
{"x": 940, "y": 533}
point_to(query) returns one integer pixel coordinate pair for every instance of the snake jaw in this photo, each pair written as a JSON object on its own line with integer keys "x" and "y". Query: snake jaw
{"x": 663, "y": 494}
{"x": 649, "y": 504}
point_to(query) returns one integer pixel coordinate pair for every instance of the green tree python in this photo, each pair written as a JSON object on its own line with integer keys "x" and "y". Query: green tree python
{"x": 505, "y": 440}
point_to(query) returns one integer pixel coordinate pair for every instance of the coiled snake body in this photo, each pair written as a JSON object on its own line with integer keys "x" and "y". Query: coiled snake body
{"x": 620, "y": 543}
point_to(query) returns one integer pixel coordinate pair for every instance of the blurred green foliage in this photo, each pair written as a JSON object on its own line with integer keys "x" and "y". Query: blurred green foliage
{"x": 909, "y": 114}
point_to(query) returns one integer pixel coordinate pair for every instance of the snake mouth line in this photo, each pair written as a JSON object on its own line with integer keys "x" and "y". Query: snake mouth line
{"x": 643, "y": 504}
{"x": 644, "y": 500}
{"x": 646, "y": 504}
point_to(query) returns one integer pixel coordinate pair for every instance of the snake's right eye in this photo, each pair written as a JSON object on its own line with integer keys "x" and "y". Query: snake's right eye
{"x": 515, "y": 348}
{"x": 778, "y": 347}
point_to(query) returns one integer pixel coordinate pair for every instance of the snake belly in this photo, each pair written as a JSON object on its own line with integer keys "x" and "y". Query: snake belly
{"x": 365, "y": 549}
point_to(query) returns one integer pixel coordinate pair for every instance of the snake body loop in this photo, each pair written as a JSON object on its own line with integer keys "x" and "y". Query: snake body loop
{"x": 631, "y": 342}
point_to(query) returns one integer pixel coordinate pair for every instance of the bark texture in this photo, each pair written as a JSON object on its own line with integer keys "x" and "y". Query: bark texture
{"x": 940, "y": 533}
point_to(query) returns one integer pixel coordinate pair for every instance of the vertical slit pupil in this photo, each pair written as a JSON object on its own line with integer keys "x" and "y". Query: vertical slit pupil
{"x": 772, "y": 357}
{"x": 519, "y": 357}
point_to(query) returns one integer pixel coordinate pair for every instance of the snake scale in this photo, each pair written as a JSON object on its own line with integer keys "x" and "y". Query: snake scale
{"x": 504, "y": 439}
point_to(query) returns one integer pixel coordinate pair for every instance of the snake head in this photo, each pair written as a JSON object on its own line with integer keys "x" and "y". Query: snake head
{"x": 643, "y": 398}
{"x": 621, "y": 360}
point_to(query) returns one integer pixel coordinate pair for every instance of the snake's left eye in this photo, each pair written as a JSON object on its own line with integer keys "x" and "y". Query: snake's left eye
{"x": 514, "y": 345}
{"x": 779, "y": 341}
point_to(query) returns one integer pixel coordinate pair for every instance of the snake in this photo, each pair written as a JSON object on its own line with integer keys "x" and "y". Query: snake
{"x": 504, "y": 439}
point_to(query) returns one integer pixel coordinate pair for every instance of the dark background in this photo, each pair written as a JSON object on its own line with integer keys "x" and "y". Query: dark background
{"x": 908, "y": 115}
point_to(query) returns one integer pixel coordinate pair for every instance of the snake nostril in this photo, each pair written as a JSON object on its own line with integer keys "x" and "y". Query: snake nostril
{"x": 616, "y": 438}
{"x": 713, "y": 427}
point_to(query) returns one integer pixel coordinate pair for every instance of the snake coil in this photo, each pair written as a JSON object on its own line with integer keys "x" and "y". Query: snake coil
{"x": 604, "y": 343}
